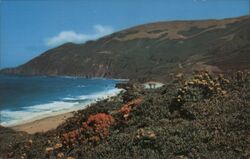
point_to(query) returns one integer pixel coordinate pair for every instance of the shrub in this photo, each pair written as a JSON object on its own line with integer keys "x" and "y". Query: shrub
{"x": 127, "y": 108}
{"x": 95, "y": 128}
{"x": 99, "y": 124}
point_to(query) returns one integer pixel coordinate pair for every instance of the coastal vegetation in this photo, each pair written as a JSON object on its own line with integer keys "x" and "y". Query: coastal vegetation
{"x": 201, "y": 115}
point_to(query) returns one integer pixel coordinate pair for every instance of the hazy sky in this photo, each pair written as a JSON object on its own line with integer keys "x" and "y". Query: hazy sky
{"x": 28, "y": 28}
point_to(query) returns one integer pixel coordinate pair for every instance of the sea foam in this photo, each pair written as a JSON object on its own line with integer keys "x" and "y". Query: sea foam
{"x": 36, "y": 112}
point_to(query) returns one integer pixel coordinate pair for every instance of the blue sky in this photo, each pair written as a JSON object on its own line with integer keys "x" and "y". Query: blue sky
{"x": 28, "y": 28}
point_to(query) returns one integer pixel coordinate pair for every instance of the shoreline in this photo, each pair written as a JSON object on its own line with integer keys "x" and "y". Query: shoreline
{"x": 46, "y": 123}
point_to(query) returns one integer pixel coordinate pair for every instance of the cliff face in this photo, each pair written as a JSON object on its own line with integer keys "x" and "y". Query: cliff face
{"x": 151, "y": 50}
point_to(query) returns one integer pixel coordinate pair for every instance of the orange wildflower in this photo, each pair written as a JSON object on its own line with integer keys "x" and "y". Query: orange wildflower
{"x": 127, "y": 108}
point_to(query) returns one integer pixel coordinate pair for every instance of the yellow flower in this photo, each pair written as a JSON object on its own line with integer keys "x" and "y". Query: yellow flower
{"x": 191, "y": 83}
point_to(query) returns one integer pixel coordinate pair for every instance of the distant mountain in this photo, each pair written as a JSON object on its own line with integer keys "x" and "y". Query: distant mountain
{"x": 151, "y": 51}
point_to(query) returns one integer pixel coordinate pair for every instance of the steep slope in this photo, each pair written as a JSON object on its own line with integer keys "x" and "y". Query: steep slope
{"x": 151, "y": 51}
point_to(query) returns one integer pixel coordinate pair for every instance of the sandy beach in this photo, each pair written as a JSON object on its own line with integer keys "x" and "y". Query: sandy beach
{"x": 49, "y": 123}
{"x": 43, "y": 125}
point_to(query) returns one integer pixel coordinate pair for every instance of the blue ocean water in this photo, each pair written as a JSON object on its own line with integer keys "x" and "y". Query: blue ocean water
{"x": 25, "y": 98}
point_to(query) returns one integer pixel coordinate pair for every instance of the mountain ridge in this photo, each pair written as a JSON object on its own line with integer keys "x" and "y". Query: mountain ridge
{"x": 150, "y": 51}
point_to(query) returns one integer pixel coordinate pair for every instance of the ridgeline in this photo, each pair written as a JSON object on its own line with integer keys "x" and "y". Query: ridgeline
{"x": 151, "y": 51}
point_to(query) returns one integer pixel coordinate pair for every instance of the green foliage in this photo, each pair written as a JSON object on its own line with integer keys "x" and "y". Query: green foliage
{"x": 220, "y": 127}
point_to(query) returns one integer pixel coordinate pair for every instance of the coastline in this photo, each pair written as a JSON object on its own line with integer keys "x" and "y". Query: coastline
{"x": 143, "y": 121}
{"x": 46, "y": 123}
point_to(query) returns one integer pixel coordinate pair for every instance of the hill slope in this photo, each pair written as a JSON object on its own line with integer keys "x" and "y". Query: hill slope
{"x": 151, "y": 51}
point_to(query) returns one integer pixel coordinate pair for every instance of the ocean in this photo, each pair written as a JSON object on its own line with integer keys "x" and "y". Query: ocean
{"x": 28, "y": 98}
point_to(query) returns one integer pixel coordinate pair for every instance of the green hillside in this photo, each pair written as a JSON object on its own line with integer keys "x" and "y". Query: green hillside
{"x": 151, "y": 51}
